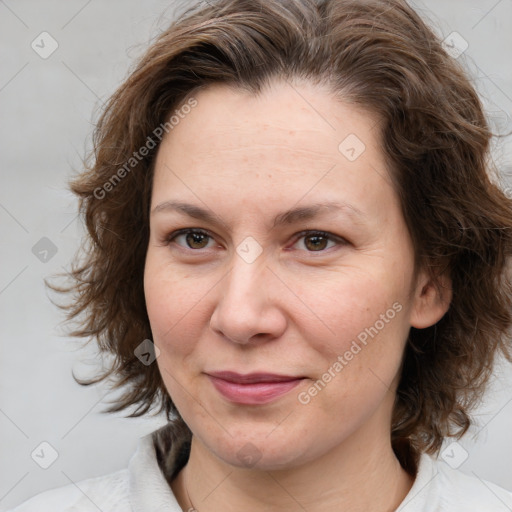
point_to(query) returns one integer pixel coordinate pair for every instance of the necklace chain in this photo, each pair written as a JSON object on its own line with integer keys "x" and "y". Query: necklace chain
{"x": 193, "y": 509}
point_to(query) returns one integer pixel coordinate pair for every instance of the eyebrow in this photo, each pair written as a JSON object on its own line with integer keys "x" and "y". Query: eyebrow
{"x": 301, "y": 213}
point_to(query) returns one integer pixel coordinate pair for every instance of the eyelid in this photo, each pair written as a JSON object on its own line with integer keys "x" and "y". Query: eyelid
{"x": 174, "y": 234}
{"x": 296, "y": 237}
{"x": 170, "y": 238}
{"x": 311, "y": 232}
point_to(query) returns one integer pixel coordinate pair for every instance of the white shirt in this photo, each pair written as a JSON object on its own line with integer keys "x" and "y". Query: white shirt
{"x": 142, "y": 487}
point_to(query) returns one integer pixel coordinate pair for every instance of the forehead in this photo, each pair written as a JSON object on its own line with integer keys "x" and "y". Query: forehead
{"x": 282, "y": 112}
{"x": 287, "y": 140}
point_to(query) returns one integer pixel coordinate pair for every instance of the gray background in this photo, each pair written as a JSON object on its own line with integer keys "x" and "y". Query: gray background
{"x": 48, "y": 108}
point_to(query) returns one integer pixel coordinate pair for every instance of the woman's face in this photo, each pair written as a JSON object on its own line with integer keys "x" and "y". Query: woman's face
{"x": 299, "y": 265}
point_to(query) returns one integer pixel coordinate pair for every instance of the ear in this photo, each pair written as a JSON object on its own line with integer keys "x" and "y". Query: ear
{"x": 430, "y": 302}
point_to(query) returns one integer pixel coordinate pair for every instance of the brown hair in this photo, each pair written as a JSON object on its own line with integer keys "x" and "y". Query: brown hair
{"x": 378, "y": 55}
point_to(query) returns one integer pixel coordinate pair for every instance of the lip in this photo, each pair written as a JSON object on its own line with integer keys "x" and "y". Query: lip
{"x": 252, "y": 388}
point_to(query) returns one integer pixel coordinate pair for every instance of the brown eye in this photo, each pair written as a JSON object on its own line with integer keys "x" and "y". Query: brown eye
{"x": 197, "y": 240}
{"x": 192, "y": 239}
{"x": 315, "y": 242}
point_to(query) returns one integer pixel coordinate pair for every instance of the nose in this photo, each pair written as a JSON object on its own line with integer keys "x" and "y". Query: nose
{"x": 248, "y": 309}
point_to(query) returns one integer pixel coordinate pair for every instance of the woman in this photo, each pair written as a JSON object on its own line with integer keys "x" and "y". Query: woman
{"x": 298, "y": 252}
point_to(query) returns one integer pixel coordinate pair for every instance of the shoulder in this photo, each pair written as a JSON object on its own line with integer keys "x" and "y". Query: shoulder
{"x": 141, "y": 486}
{"x": 440, "y": 488}
{"x": 466, "y": 492}
{"x": 109, "y": 493}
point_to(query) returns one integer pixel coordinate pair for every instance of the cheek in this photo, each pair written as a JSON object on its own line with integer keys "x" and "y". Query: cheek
{"x": 177, "y": 317}
{"x": 359, "y": 357}
{"x": 345, "y": 307}
{"x": 175, "y": 304}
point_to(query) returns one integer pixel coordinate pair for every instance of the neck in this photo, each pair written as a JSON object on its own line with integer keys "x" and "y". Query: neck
{"x": 361, "y": 474}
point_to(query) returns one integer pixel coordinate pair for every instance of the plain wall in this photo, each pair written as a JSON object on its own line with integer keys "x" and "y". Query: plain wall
{"x": 48, "y": 107}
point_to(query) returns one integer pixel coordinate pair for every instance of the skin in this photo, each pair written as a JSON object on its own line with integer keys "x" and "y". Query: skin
{"x": 293, "y": 310}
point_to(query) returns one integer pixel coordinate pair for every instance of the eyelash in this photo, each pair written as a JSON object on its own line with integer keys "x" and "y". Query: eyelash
{"x": 297, "y": 237}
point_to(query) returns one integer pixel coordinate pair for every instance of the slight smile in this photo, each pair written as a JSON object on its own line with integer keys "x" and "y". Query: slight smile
{"x": 253, "y": 388}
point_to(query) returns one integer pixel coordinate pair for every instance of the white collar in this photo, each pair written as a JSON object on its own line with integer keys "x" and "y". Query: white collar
{"x": 436, "y": 487}
{"x": 149, "y": 490}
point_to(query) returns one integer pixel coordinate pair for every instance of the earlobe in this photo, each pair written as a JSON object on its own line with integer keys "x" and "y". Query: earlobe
{"x": 431, "y": 300}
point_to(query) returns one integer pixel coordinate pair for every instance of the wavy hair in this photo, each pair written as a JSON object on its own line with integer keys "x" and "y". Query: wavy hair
{"x": 378, "y": 55}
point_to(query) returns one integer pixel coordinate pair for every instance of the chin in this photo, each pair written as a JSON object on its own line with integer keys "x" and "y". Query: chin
{"x": 258, "y": 450}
